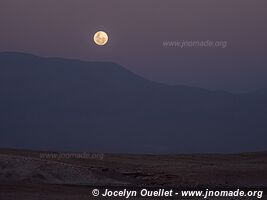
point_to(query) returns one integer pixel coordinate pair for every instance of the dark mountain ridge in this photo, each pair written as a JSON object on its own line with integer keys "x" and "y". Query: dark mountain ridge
{"x": 64, "y": 104}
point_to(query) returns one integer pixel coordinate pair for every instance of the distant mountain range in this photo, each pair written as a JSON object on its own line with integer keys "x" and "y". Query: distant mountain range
{"x": 72, "y": 105}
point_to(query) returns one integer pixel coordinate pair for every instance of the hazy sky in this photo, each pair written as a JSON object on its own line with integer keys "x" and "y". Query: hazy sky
{"x": 137, "y": 29}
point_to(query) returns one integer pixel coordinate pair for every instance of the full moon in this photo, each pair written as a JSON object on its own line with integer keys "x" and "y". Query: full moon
{"x": 100, "y": 38}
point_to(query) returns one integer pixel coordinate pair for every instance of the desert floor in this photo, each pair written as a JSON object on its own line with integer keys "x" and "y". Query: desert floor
{"x": 30, "y": 175}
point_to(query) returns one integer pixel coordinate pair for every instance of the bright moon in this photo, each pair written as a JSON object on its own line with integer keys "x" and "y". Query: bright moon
{"x": 100, "y": 38}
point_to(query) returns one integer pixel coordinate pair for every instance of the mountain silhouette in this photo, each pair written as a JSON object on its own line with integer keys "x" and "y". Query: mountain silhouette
{"x": 73, "y": 105}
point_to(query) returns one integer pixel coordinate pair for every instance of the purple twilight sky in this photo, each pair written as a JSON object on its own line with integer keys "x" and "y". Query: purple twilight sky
{"x": 137, "y": 29}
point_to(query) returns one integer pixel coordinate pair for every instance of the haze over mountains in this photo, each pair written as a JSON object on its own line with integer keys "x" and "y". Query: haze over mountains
{"x": 72, "y": 105}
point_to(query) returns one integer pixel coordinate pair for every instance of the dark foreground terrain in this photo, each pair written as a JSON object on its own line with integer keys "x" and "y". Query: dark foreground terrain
{"x": 32, "y": 175}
